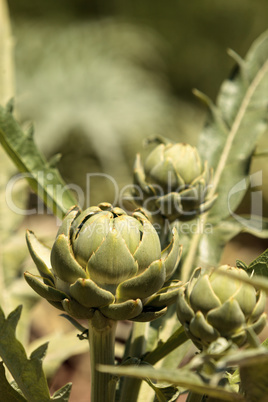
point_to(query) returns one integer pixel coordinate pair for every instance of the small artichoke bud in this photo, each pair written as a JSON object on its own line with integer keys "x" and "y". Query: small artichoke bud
{"x": 212, "y": 306}
{"x": 173, "y": 182}
{"x": 104, "y": 259}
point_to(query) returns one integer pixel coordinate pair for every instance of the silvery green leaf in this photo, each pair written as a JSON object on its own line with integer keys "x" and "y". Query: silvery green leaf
{"x": 26, "y": 372}
{"x": 241, "y": 112}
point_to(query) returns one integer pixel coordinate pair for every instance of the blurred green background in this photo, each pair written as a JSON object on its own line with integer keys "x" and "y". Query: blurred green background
{"x": 98, "y": 77}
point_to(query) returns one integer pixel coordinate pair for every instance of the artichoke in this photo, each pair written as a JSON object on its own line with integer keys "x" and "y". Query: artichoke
{"x": 173, "y": 182}
{"x": 105, "y": 260}
{"x": 212, "y": 306}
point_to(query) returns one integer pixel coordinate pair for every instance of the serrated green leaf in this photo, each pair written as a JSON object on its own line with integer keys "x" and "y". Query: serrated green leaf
{"x": 27, "y": 372}
{"x": 40, "y": 352}
{"x": 44, "y": 179}
{"x": 260, "y": 265}
{"x": 241, "y": 113}
{"x": 7, "y": 392}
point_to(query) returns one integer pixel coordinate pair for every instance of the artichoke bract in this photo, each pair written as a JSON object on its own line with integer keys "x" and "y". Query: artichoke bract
{"x": 173, "y": 182}
{"x": 212, "y": 306}
{"x": 104, "y": 259}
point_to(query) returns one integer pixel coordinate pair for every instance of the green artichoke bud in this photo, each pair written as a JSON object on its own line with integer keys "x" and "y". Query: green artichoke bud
{"x": 104, "y": 259}
{"x": 173, "y": 182}
{"x": 212, "y": 306}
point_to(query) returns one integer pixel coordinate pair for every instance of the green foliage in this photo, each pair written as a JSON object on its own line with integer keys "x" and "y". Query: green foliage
{"x": 260, "y": 265}
{"x": 43, "y": 177}
{"x": 10, "y": 394}
{"x": 228, "y": 141}
{"x": 240, "y": 113}
{"x": 27, "y": 372}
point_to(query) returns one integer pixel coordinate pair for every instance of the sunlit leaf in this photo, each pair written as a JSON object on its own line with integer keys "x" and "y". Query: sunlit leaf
{"x": 43, "y": 177}
{"x": 240, "y": 113}
{"x": 260, "y": 265}
{"x": 227, "y": 142}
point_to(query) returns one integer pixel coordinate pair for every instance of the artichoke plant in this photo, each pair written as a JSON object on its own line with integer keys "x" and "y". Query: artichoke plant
{"x": 212, "y": 306}
{"x": 105, "y": 260}
{"x": 173, "y": 182}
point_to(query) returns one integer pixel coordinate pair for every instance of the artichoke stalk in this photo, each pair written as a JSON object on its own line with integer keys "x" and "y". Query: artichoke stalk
{"x": 212, "y": 306}
{"x": 173, "y": 183}
{"x": 106, "y": 266}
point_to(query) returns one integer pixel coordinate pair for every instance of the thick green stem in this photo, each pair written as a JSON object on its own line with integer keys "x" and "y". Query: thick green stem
{"x": 131, "y": 386}
{"x": 101, "y": 335}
